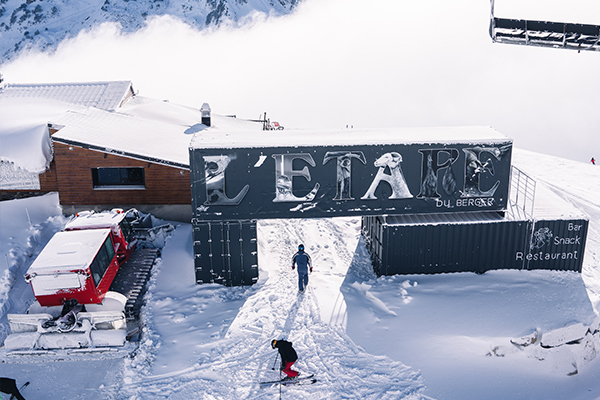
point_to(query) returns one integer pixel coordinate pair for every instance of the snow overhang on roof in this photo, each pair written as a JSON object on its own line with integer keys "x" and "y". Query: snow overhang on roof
{"x": 24, "y": 134}
{"x": 236, "y": 138}
{"x": 102, "y": 95}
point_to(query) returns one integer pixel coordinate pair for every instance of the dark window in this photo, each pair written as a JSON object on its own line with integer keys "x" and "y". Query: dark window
{"x": 118, "y": 177}
{"x": 127, "y": 230}
{"x": 102, "y": 261}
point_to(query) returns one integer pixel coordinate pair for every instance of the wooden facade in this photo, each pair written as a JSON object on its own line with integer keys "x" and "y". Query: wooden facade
{"x": 93, "y": 177}
{"x": 48, "y": 182}
{"x": 164, "y": 185}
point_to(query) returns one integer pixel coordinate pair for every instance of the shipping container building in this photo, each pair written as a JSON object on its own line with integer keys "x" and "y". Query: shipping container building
{"x": 432, "y": 200}
{"x": 546, "y": 234}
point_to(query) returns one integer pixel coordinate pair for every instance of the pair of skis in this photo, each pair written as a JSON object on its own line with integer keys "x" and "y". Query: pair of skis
{"x": 308, "y": 380}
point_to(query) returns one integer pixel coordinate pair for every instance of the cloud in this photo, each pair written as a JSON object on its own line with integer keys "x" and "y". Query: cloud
{"x": 336, "y": 62}
{"x": 574, "y": 11}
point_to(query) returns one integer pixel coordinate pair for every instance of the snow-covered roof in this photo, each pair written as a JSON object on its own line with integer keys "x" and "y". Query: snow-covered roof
{"x": 93, "y": 115}
{"x": 144, "y": 128}
{"x": 443, "y": 218}
{"x": 155, "y": 131}
{"x": 26, "y": 109}
{"x": 238, "y": 138}
{"x": 102, "y": 95}
{"x": 95, "y": 220}
{"x": 68, "y": 251}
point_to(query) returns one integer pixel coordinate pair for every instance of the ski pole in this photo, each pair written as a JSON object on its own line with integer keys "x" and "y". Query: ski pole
{"x": 274, "y": 361}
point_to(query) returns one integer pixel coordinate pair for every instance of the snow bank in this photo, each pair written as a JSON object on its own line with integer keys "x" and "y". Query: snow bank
{"x": 26, "y": 226}
{"x": 457, "y": 329}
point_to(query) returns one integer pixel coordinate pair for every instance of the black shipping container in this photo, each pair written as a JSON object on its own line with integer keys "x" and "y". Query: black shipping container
{"x": 225, "y": 252}
{"x": 322, "y": 174}
{"x": 470, "y": 242}
{"x": 556, "y": 244}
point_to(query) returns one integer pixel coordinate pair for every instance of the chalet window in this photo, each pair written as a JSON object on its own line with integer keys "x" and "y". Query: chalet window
{"x": 123, "y": 178}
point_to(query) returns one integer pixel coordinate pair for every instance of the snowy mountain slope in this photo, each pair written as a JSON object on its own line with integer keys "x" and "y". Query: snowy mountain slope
{"x": 45, "y": 23}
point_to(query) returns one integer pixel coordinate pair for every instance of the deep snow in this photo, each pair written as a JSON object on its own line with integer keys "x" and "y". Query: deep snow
{"x": 441, "y": 336}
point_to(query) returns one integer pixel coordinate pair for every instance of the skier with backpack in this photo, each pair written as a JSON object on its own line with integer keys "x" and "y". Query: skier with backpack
{"x": 302, "y": 260}
{"x": 9, "y": 386}
{"x": 288, "y": 357}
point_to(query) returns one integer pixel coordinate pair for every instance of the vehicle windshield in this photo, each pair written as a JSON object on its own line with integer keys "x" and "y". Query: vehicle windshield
{"x": 127, "y": 230}
{"x": 102, "y": 261}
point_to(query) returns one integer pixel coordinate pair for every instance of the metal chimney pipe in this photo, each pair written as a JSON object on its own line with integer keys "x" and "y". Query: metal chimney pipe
{"x": 205, "y": 110}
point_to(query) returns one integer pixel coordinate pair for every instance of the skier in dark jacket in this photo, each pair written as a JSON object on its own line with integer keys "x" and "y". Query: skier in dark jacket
{"x": 9, "y": 386}
{"x": 302, "y": 260}
{"x": 288, "y": 357}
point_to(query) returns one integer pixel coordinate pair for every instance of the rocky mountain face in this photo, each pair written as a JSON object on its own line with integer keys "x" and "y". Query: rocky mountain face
{"x": 42, "y": 24}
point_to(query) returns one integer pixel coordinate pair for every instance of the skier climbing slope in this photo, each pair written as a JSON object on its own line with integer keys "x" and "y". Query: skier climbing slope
{"x": 303, "y": 261}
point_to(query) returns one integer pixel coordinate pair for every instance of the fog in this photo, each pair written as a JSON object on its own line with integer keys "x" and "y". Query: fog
{"x": 338, "y": 63}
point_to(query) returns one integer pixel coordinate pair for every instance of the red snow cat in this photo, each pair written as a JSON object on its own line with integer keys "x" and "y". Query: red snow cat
{"x": 82, "y": 283}
{"x": 81, "y": 262}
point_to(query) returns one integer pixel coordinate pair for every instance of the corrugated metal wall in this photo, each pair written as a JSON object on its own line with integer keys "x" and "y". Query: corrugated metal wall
{"x": 473, "y": 246}
{"x": 440, "y": 248}
{"x": 225, "y": 252}
{"x": 557, "y": 244}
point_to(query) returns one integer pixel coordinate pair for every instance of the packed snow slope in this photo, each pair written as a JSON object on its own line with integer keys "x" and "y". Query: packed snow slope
{"x": 579, "y": 184}
{"x": 444, "y": 336}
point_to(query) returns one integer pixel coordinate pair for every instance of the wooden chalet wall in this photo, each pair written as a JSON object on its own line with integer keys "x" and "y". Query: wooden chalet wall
{"x": 48, "y": 182}
{"x": 164, "y": 185}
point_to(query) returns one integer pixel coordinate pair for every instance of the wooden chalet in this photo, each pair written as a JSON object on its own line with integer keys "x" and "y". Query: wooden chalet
{"x": 111, "y": 148}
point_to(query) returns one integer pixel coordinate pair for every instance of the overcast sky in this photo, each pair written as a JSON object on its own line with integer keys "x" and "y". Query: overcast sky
{"x": 382, "y": 63}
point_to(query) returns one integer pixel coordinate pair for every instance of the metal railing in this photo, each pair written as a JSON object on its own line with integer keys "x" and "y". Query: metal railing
{"x": 522, "y": 195}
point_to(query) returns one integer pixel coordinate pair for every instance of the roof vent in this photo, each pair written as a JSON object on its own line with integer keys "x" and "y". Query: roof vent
{"x": 205, "y": 110}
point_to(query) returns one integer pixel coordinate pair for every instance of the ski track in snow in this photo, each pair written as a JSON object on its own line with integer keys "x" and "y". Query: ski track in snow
{"x": 591, "y": 265}
{"x": 275, "y": 310}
